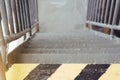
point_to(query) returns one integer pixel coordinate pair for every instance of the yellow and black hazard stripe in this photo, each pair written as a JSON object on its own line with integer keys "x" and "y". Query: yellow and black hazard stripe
{"x": 75, "y": 72}
{"x": 92, "y": 72}
{"x": 87, "y": 72}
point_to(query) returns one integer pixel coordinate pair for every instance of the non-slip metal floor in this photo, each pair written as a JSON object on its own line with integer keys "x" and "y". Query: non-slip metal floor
{"x": 74, "y": 47}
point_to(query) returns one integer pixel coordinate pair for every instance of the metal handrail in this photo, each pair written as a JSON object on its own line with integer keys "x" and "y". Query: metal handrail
{"x": 104, "y": 14}
{"x": 116, "y": 27}
{"x": 21, "y": 27}
{"x": 17, "y": 20}
{"x": 20, "y": 34}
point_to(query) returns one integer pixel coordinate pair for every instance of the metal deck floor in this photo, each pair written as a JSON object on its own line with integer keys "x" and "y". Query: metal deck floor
{"x": 74, "y": 47}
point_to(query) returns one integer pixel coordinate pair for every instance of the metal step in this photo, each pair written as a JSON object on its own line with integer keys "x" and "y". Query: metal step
{"x": 83, "y": 47}
{"x": 68, "y": 58}
{"x": 51, "y": 46}
{"x": 71, "y": 51}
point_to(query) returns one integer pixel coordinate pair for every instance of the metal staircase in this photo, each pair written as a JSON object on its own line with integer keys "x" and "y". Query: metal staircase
{"x": 20, "y": 20}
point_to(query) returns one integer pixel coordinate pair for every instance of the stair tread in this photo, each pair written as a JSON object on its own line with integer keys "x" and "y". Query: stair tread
{"x": 69, "y": 47}
{"x": 68, "y": 58}
{"x": 70, "y": 43}
{"x": 82, "y": 50}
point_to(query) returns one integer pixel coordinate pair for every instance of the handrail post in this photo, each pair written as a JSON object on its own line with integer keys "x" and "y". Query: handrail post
{"x": 4, "y": 29}
{"x": 2, "y": 70}
{"x": 2, "y": 66}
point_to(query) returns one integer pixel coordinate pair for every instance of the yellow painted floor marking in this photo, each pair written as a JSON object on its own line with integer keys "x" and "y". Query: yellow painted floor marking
{"x": 19, "y": 71}
{"x": 113, "y": 73}
{"x": 67, "y": 72}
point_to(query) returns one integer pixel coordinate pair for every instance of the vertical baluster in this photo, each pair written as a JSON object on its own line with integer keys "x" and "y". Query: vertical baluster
{"x": 18, "y": 14}
{"x": 111, "y": 12}
{"x": 119, "y": 21}
{"x": 107, "y": 11}
{"x": 116, "y": 17}
{"x": 116, "y": 12}
{"x": 103, "y": 10}
{"x": 92, "y": 5}
{"x": 28, "y": 9}
{"x": 33, "y": 11}
{"x": 37, "y": 9}
{"x": 9, "y": 15}
{"x": 97, "y": 5}
{"x": 90, "y": 9}
{"x": 88, "y": 5}
{"x": 15, "y": 19}
{"x": 24, "y": 14}
{"x": 99, "y": 11}
{"x": 29, "y": 14}
{"x": 35, "y": 4}
{"x": 37, "y": 15}
{"x": 94, "y": 8}
{"x": 4, "y": 18}
{"x": 21, "y": 15}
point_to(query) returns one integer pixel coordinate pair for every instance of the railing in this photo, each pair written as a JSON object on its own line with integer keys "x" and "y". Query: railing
{"x": 19, "y": 17}
{"x": 104, "y": 13}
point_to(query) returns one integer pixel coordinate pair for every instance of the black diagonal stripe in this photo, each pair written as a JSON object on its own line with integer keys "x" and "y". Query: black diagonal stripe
{"x": 42, "y": 72}
{"x": 92, "y": 72}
